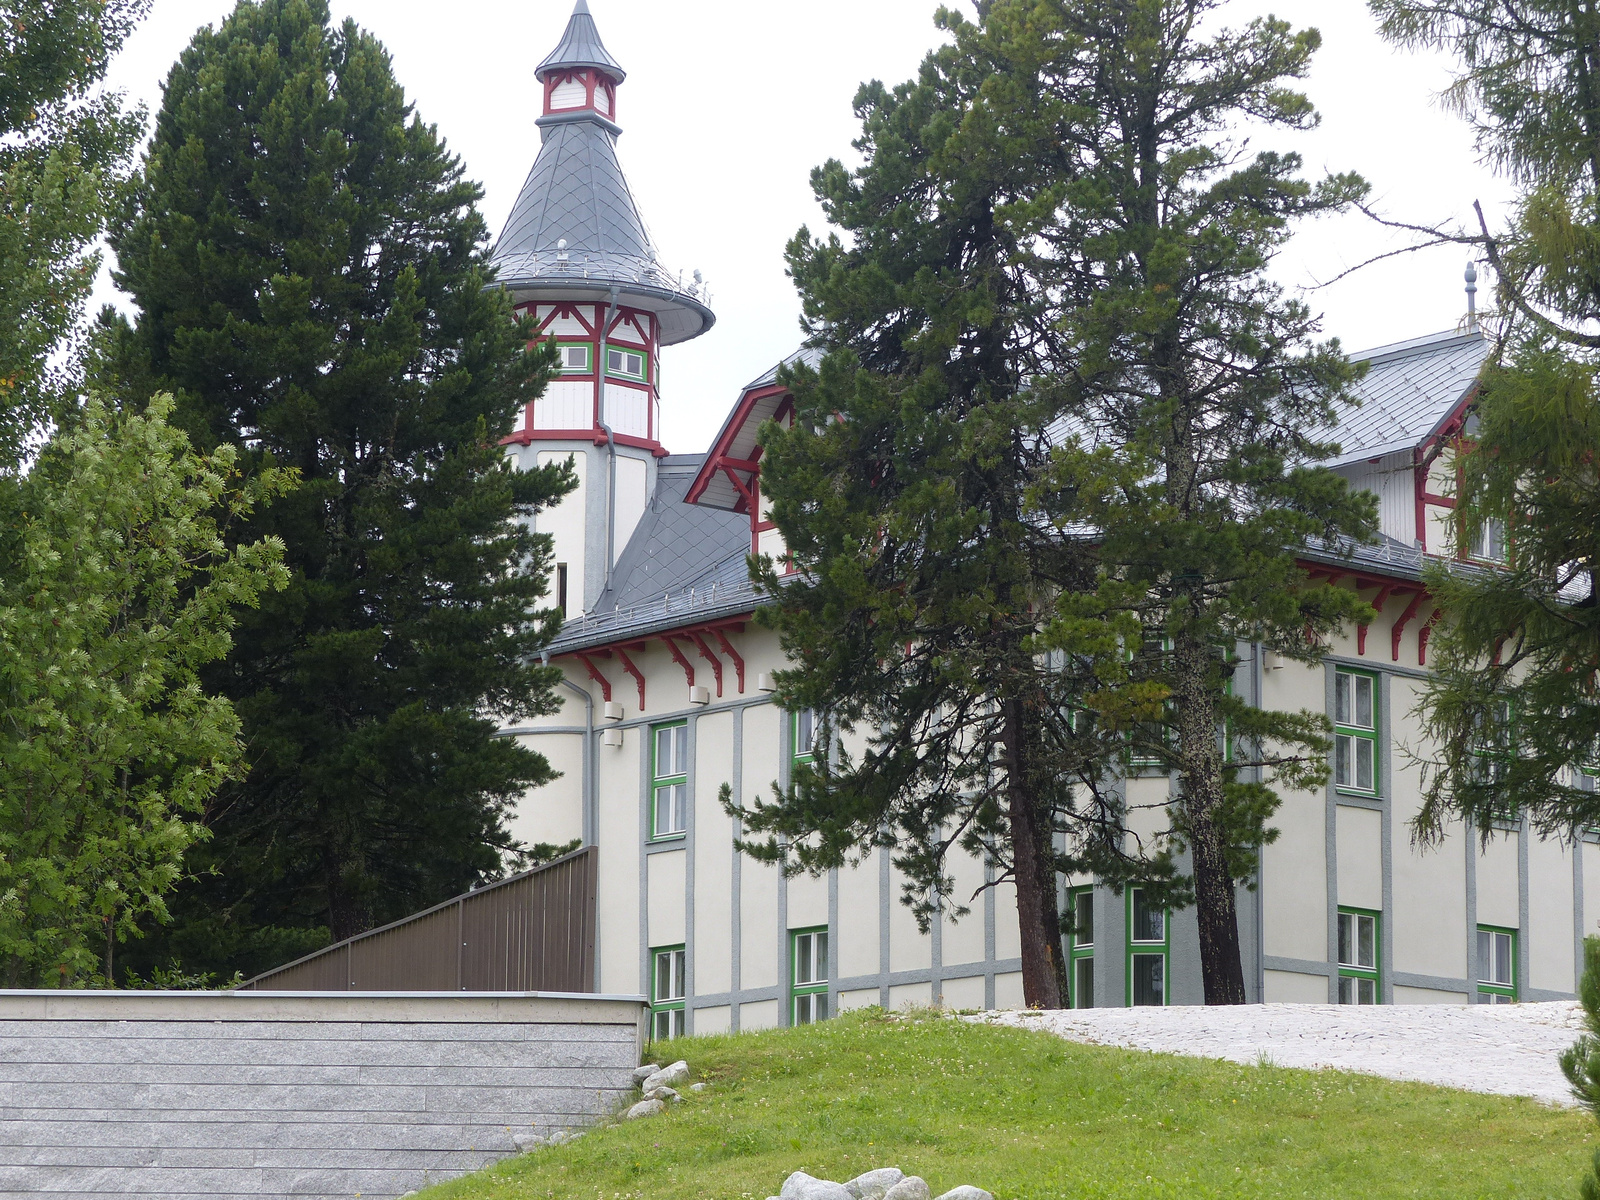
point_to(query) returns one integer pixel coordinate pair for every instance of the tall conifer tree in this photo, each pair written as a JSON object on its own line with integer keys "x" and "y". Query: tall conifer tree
{"x": 309, "y": 268}
{"x": 1514, "y": 701}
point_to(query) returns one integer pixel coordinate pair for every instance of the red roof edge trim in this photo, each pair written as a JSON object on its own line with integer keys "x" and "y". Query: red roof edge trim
{"x": 718, "y": 457}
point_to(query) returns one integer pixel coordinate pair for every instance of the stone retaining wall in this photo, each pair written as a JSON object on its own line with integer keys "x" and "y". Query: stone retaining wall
{"x": 207, "y": 1094}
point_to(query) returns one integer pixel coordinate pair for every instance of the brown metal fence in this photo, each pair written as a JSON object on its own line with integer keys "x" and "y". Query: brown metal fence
{"x": 533, "y": 932}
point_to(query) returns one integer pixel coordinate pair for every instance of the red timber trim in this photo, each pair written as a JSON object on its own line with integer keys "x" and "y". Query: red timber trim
{"x": 593, "y": 81}
{"x": 705, "y": 653}
{"x": 719, "y": 460}
{"x": 1385, "y": 590}
{"x": 526, "y": 437}
{"x": 627, "y": 665}
{"x": 594, "y": 673}
{"x": 697, "y": 635}
{"x": 738, "y": 663}
{"x": 1399, "y": 627}
{"x": 677, "y": 655}
{"x": 1422, "y": 637}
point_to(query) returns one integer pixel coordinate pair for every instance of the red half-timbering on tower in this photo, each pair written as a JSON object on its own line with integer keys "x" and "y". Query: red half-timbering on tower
{"x": 576, "y": 256}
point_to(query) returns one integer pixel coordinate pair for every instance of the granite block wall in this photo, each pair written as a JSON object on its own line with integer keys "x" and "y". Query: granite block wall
{"x": 205, "y": 1094}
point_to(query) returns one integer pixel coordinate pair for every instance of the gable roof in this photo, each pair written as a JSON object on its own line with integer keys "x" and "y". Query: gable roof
{"x": 1410, "y": 390}
{"x": 736, "y": 440}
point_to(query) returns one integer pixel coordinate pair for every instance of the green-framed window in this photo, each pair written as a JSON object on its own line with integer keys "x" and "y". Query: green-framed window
{"x": 669, "y": 775}
{"x": 1149, "y": 949}
{"x": 577, "y": 358}
{"x": 808, "y": 976}
{"x": 622, "y": 363}
{"x": 1355, "y": 731}
{"x": 803, "y": 735}
{"x": 1492, "y": 746}
{"x": 1497, "y": 965}
{"x": 1360, "y": 952}
{"x": 1080, "y": 948}
{"x": 668, "y": 990}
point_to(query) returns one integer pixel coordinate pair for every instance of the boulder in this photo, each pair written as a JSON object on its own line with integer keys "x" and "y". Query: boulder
{"x": 525, "y": 1142}
{"x": 664, "y": 1094}
{"x": 649, "y": 1108}
{"x": 871, "y": 1185}
{"x": 698, "y": 1087}
{"x": 640, "y": 1074}
{"x": 677, "y": 1073}
{"x": 801, "y": 1186}
{"x": 912, "y": 1187}
{"x": 966, "y": 1192}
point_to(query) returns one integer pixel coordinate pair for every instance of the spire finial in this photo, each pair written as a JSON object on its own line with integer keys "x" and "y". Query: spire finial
{"x": 1471, "y": 277}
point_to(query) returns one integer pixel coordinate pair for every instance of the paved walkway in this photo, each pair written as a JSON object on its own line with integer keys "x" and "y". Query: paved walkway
{"x": 1509, "y": 1049}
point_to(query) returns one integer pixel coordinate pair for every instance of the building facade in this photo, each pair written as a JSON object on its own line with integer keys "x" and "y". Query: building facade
{"x": 668, "y": 694}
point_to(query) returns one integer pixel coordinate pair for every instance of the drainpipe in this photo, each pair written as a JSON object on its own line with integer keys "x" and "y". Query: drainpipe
{"x": 588, "y": 790}
{"x": 611, "y": 442}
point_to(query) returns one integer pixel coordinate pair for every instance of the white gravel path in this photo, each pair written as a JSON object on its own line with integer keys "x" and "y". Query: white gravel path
{"x": 1508, "y": 1049}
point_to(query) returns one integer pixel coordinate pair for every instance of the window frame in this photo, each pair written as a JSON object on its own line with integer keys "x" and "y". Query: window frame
{"x": 1356, "y": 733}
{"x": 670, "y": 1005}
{"x": 588, "y": 357}
{"x": 1510, "y": 992}
{"x": 815, "y": 987}
{"x": 796, "y": 754}
{"x": 1356, "y": 971}
{"x": 658, "y": 781}
{"x": 1484, "y": 553}
{"x": 644, "y": 364}
{"x": 1137, "y": 948}
{"x": 1080, "y": 951}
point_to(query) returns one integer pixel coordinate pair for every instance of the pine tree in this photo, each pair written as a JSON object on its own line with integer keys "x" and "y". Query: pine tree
{"x": 902, "y": 489}
{"x": 1580, "y": 1063}
{"x": 64, "y": 150}
{"x": 1514, "y": 700}
{"x": 309, "y": 269}
{"x": 1196, "y": 392}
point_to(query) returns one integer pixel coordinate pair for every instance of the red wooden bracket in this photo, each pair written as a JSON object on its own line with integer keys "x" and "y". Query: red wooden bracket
{"x": 677, "y": 655}
{"x": 627, "y": 665}
{"x": 1405, "y": 619}
{"x": 594, "y": 674}
{"x": 1422, "y": 637}
{"x": 705, "y": 653}
{"x": 738, "y": 663}
{"x": 1378, "y": 602}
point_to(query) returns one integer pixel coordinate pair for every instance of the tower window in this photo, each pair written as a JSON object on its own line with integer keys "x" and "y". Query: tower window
{"x": 575, "y": 358}
{"x": 625, "y": 364}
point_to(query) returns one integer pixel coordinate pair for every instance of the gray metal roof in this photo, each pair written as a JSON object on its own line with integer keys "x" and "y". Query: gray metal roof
{"x": 677, "y": 546}
{"x": 576, "y": 193}
{"x": 1410, "y": 388}
{"x": 580, "y": 47}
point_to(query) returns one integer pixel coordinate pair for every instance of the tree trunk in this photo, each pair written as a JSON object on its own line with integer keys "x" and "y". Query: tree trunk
{"x": 1221, "y": 968}
{"x": 1044, "y": 973}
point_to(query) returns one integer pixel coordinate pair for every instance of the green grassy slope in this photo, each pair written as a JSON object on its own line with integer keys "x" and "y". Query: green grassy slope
{"x": 1031, "y": 1117}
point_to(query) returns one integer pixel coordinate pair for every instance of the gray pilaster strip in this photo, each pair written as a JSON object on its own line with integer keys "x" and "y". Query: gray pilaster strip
{"x": 785, "y": 777}
{"x": 1524, "y": 925}
{"x": 644, "y": 863}
{"x": 688, "y": 872}
{"x": 1577, "y": 913}
{"x": 1330, "y": 823}
{"x": 833, "y": 941}
{"x": 989, "y": 930}
{"x": 885, "y": 899}
{"x": 736, "y": 970}
{"x": 1386, "y": 851}
{"x": 1258, "y": 693}
{"x": 1472, "y": 906}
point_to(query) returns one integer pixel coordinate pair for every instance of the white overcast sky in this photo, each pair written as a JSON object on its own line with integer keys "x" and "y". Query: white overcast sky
{"x": 729, "y": 103}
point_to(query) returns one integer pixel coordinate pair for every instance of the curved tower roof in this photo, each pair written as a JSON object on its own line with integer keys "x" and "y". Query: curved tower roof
{"x": 575, "y": 232}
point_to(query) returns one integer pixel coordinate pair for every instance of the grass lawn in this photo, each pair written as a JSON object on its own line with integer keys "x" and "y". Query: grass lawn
{"x": 1031, "y": 1117}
